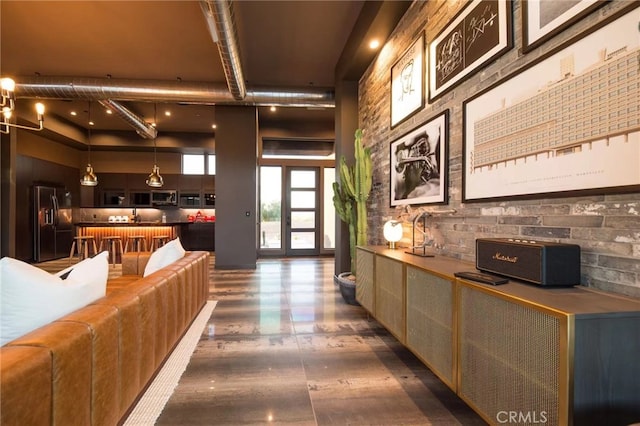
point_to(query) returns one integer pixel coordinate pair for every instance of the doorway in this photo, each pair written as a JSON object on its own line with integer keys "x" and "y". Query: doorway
{"x": 296, "y": 211}
{"x": 302, "y": 211}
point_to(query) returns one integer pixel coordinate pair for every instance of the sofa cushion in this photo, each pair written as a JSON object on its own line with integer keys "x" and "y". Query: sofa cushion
{"x": 69, "y": 345}
{"x": 102, "y": 320}
{"x": 31, "y": 297}
{"x": 25, "y": 385}
{"x": 164, "y": 256}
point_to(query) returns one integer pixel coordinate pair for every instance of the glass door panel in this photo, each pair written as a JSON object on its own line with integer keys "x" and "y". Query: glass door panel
{"x": 304, "y": 179}
{"x": 303, "y": 240}
{"x": 329, "y": 216}
{"x": 304, "y": 220}
{"x": 271, "y": 207}
{"x": 303, "y": 199}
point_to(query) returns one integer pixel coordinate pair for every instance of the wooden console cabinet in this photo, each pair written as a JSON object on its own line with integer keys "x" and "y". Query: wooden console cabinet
{"x": 557, "y": 356}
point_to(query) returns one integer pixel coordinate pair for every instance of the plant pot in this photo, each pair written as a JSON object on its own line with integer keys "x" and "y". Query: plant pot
{"x": 347, "y": 288}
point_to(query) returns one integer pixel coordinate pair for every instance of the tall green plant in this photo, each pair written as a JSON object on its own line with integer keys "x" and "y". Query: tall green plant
{"x": 351, "y": 194}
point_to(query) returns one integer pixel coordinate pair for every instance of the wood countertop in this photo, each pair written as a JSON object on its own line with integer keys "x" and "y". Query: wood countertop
{"x": 578, "y": 300}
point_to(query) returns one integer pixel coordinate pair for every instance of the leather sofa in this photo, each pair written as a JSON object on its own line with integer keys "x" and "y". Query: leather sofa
{"x": 91, "y": 366}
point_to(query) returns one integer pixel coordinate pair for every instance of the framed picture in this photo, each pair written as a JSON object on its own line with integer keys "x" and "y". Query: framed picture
{"x": 419, "y": 164}
{"x": 543, "y": 19}
{"x": 568, "y": 122}
{"x": 478, "y": 34}
{"x": 407, "y": 83}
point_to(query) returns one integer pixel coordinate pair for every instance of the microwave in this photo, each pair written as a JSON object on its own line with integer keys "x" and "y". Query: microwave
{"x": 164, "y": 198}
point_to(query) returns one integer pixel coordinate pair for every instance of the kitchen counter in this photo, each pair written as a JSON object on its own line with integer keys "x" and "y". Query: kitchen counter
{"x": 115, "y": 224}
{"x": 198, "y": 236}
{"x": 125, "y": 230}
{"x": 193, "y": 235}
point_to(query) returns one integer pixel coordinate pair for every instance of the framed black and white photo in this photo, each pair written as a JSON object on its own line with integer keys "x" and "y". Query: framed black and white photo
{"x": 478, "y": 34}
{"x": 407, "y": 83}
{"x": 543, "y": 19}
{"x": 568, "y": 124}
{"x": 419, "y": 164}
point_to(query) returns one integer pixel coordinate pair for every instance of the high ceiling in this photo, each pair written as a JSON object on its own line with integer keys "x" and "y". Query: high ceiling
{"x": 282, "y": 44}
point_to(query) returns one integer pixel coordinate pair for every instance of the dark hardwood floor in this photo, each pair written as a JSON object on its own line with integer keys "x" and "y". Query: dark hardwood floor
{"x": 281, "y": 347}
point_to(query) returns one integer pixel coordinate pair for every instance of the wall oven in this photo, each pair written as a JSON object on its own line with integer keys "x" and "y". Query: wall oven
{"x": 164, "y": 198}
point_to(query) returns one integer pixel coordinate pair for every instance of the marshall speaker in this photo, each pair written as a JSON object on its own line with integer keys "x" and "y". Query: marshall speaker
{"x": 538, "y": 262}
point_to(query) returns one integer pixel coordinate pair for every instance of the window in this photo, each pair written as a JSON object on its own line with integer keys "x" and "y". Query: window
{"x": 211, "y": 163}
{"x": 196, "y": 164}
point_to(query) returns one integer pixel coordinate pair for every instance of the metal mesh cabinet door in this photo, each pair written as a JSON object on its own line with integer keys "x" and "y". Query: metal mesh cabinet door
{"x": 389, "y": 298}
{"x": 364, "y": 283}
{"x": 510, "y": 358}
{"x": 430, "y": 322}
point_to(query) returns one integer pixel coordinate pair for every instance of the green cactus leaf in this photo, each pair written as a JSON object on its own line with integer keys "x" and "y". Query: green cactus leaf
{"x": 351, "y": 194}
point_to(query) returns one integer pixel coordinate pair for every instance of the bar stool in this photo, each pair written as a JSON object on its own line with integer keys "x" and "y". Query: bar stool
{"x": 138, "y": 243}
{"x": 158, "y": 241}
{"x": 81, "y": 243}
{"x": 112, "y": 242}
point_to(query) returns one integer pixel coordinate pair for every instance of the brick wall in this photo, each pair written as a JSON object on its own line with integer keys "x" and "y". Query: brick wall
{"x": 607, "y": 227}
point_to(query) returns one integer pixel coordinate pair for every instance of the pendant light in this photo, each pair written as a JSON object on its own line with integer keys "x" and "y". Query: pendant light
{"x": 89, "y": 178}
{"x": 155, "y": 180}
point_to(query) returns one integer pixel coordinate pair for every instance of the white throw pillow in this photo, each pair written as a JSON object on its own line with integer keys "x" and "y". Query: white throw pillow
{"x": 31, "y": 297}
{"x": 94, "y": 272}
{"x": 164, "y": 256}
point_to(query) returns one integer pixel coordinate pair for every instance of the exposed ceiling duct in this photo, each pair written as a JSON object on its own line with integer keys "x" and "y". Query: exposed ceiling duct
{"x": 220, "y": 21}
{"x": 166, "y": 91}
{"x": 145, "y": 130}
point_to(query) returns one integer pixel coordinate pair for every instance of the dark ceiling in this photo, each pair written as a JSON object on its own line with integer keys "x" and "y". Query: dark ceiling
{"x": 282, "y": 44}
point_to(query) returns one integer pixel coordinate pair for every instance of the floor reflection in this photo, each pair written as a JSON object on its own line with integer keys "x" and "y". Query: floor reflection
{"x": 282, "y": 347}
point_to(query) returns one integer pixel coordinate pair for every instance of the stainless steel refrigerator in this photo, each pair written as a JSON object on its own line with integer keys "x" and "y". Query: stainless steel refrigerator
{"x": 53, "y": 225}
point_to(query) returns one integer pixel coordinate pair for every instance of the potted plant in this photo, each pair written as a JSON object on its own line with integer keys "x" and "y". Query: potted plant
{"x": 349, "y": 199}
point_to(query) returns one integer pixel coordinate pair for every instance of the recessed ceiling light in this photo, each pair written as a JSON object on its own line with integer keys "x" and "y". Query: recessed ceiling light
{"x": 167, "y": 113}
{"x": 374, "y": 44}
{"x": 108, "y": 111}
{"x": 91, "y": 123}
{"x": 272, "y": 109}
{"x": 74, "y": 113}
{"x": 214, "y": 126}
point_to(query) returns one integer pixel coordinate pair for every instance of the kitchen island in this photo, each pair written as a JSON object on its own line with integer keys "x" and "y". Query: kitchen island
{"x": 124, "y": 230}
{"x": 193, "y": 235}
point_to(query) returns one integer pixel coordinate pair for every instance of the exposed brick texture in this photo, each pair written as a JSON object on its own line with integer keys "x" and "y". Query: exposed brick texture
{"x": 607, "y": 227}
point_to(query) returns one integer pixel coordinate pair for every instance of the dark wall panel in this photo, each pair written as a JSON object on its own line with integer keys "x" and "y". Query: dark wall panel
{"x": 236, "y": 187}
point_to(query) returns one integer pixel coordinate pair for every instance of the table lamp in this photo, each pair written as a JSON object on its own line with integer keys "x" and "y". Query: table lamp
{"x": 392, "y": 232}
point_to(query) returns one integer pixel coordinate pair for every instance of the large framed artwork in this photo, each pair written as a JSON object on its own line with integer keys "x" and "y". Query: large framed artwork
{"x": 568, "y": 124}
{"x": 419, "y": 164}
{"x": 543, "y": 19}
{"x": 478, "y": 34}
{"x": 407, "y": 83}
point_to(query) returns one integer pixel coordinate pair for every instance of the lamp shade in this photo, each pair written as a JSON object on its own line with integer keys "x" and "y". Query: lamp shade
{"x": 392, "y": 232}
{"x": 89, "y": 178}
{"x": 155, "y": 180}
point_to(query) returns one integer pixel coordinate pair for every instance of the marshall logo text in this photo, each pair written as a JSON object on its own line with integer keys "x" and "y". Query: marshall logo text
{"x": 505, "y": 258}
